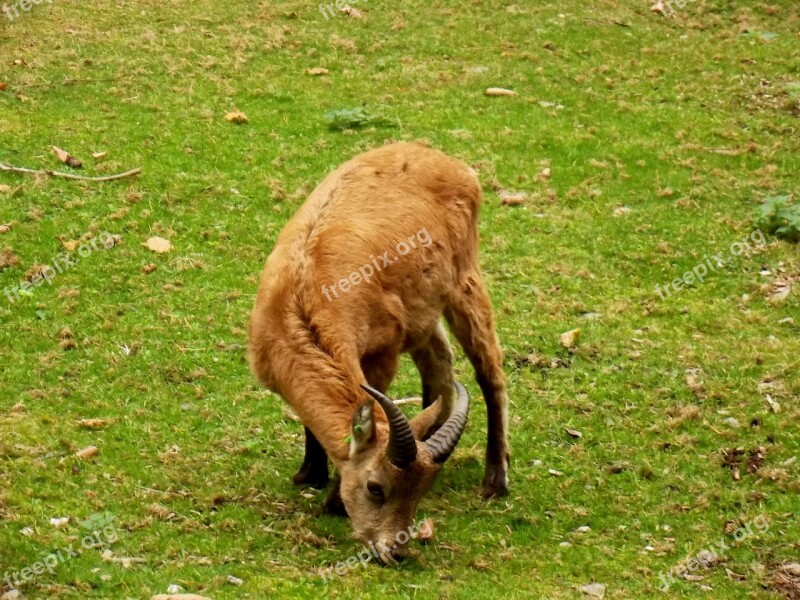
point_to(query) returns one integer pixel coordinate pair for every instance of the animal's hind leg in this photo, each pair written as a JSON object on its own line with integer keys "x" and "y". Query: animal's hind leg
{"x": 314, "y": 470}
{"x": 379, "y": 369}
{"x": 469, "y": 313}
{"x": 434, "y": 361}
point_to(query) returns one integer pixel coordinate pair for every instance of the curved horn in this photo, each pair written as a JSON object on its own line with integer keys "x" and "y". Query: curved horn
{"x": 402, "y": 448}
{"x": 443, "y": 442}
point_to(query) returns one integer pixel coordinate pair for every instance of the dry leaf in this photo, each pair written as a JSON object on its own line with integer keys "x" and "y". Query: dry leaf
{"x": 658, "y": 7}
{"x": 5, "y": 189}
{"x": 317, "y": 71}
{"x": 545, "y": 174}
{"x": 61, "y": 155}
{"x": 495, "y": 91}
{"x": 88, "y": 452}
{"x": 734, "y": 576}
{"x": 5, "y": 228}
{"x": 160, "y": 511}
{"x": 70, "y": 245}
{"x": 512, "y": 198}
{"x": 756, "y": 459}
{"x": 780, "y": 294}
{"x": 3, "y": 86}
{"x": 67, "y": 158}
{"x": 158, "y": 244}
{"x": 621, "y": 210}
{"x": 179, "y": 597}
{"x": 731, "y": 459}
{"x": 594, "y": 590}
{"x": 480, "y": 565}
{"x": 691, "y": 379}
{"x": 568, "y": 338}
{"x": 237, "y": 117}
{"x": 351, "y": 12}
{"x": 99, "y": 155}
{"x": 776, "y": 408}
{"x": 8, "y": 259}
{"x": 574, "y": 433}
{"x": 149, "y": 268}
{"x": 94, "y": 423}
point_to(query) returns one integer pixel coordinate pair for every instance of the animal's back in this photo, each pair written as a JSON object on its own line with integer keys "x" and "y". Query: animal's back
{"x": 356, "y": 220}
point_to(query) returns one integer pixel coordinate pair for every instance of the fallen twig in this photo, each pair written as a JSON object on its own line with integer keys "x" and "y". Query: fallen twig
{"x": 413, "y": 400}
{"x": 67, "y": 82}
{"x": 9, "y": 168}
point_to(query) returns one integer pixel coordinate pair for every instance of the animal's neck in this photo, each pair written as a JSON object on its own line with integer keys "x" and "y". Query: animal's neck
{"x": 325, "y": 397}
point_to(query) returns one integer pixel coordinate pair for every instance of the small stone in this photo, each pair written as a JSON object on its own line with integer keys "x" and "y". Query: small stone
{"x": 583, "y": 529}
{"x": 234, "y": 580}
{"x": 733, "y": 422}
{"x": 174, "y": 588}
{"x": 595, "y": 590}
{"x": 59, "y": 522}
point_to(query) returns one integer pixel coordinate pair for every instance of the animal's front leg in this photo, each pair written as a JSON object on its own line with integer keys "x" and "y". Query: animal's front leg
{"x": 333, "y": 503}
{"x": 314, "y": 470}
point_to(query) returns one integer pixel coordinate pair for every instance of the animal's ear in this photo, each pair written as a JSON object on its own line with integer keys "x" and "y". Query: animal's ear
{"x": 362, "y": 427}
{"x": 427, "y": 422}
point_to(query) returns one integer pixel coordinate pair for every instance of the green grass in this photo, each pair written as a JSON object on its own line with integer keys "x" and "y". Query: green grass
{"x": 691, "y": 123}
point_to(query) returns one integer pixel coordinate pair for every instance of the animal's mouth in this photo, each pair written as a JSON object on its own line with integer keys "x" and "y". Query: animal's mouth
{"x": 391, "y": 555}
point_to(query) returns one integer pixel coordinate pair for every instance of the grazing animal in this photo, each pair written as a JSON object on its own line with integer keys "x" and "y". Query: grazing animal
{"x": 331, "y": 321}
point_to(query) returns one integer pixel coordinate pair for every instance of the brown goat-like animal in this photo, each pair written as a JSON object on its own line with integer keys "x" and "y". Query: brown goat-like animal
{"x": 330, "y": 317}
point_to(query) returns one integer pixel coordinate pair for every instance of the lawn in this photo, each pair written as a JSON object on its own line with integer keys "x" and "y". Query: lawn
{"x": 643, "y": 145}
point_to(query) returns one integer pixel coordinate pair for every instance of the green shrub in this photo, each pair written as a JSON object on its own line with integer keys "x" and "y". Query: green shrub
{"x": 780, "y": 217}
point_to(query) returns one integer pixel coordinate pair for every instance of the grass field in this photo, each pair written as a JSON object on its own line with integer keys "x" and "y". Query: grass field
{"x": 661, "y": 136}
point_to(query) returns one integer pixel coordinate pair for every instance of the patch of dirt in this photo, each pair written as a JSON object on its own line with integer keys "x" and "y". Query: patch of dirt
{"x": 786, "y": 580}
{"x": 8, "y": 258}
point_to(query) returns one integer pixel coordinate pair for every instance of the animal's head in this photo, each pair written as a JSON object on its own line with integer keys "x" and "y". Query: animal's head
{"x": 389, "y": 471}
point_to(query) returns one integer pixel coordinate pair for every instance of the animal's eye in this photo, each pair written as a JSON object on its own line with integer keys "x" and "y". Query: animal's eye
{"x": 375, "y": 490}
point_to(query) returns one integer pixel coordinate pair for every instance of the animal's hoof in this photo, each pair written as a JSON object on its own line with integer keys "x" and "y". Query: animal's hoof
{"x": 495, "y": 484}
{"x": 308, "y": 475}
